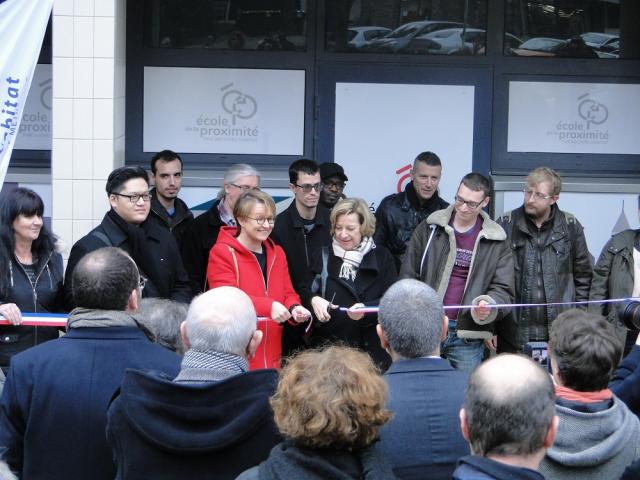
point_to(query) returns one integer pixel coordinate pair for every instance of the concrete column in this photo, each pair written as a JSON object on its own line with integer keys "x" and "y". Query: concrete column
{"x": 88, "y": 111}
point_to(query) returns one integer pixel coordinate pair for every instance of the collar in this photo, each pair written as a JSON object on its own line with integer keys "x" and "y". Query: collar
{"x": 422, "y": 364}
{"x": 202, "y": 366}
{"x": 497, "y": 470}
{"x": 321, "y": 218}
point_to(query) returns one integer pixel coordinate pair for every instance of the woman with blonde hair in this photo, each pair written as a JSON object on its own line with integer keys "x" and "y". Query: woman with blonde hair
{"x": 329, "y": 406}
{"x": 352, "y": 272}
{"x": 245, "y": 257}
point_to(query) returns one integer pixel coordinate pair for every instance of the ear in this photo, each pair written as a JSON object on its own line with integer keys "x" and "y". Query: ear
{"x": 133, "y": 302}
{"x": 383, "y": 338}
{"x": 256, "y": 338}
{"x": 184, "y": 336}
{"x": 464, "y": 425}
{"x": 113, "y": 200}
{"x": 554, "y": 199}
{"x": 292, "y": 187}
{"x": 551, "y": 433}
{"x": 226, "y": 187}
{"x": 445, "y": 328}
{"x": 152, "y": 178}
{"x": 486, "y": 201}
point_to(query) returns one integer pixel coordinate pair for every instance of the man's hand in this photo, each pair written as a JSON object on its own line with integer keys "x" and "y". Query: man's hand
{"x": 481, "y": 311}
{"x": 492, "y": 343}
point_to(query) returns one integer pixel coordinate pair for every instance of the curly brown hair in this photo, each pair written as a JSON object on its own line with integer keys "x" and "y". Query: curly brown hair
{"x": 331, "y": 398}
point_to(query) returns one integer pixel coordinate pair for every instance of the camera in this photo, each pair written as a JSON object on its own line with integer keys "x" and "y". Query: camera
{"x": 538, "y": 351}
{"x": 629, "y": 312}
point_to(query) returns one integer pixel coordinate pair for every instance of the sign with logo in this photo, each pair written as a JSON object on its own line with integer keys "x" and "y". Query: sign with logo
{"x": 559, "y": 117}
{"x": 35, "y": 125}
{"x": 224, "y": 110}
{"x": 381, "y": 128}
{"x": 22, "y": 27}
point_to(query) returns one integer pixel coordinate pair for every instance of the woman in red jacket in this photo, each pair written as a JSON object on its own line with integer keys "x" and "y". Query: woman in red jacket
{"x": 245, "y": 257}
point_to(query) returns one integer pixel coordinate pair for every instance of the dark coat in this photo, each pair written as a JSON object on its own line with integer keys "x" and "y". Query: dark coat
{"x": 53, "y": 411}
{"x": 425, "y": 396}
{"x": 47, "y": 296}
{"x": 376, "y": 273}
{"x": 626, "y": 380}
{"x": 171, "y": 282}
{"x": 177, "y": 224}
{"x": 613, "y": 277}
{"x": 475, "y": 467}
{"x": 566, "y": 270}
{"x": 490, "y": 274}
{"x": 216, "y": 430}
{"x": 197, "y": 241}
{"x": 299, "y": 247}
{"x": 398, "y": 216}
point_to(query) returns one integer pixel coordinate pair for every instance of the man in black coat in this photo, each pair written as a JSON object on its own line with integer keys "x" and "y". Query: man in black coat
{"x": 125, "y": 226}
{"x": 203, "y": 231}
{"x": 211, "y": 421}
{"x": 400, "y": 213}
{"x": 301, "y": 230}
{"x": 167, "y": 210}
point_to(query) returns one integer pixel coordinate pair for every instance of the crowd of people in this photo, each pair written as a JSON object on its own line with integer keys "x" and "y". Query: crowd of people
{"x": 320, "y": 342}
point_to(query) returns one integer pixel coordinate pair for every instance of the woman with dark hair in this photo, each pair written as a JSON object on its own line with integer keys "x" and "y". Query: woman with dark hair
{"x": 31, "y": 272}
{"x": 246, "y": 258}
{"x": 329, "y": 406}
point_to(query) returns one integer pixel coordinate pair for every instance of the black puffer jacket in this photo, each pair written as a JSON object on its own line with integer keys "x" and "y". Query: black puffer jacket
{"x": 398, "y": 216}
{"x": 46, "y": 297}
{"x": 566, "y": 270}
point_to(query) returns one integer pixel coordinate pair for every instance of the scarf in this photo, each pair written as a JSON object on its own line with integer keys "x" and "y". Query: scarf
{"x": 287, "y": 461}
{"x": 583, "y": 397}
{"x": 88, "y": 317}
{"x": 207, "y": 365}
{"x": 351, "y": 259}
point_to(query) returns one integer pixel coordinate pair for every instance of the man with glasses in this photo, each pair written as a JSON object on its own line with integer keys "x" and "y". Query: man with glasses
{"x": 300, "y": 230}
{"x": 400, "y": 213}
{"x": 552, "y": 261}
{"x": 125, "y": 226}
{"x": 203, "y": 232}
{"x": 463, "y": 255}
{"x": 333, "y": 181}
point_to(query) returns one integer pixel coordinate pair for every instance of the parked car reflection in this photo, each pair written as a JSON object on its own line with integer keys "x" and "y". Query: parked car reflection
{"x": 398, "y": 39}
{"x": 456, "y": 41}
{"x": 363, "y": 35}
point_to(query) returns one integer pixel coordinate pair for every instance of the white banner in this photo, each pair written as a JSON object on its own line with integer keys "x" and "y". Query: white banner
{"x": 381, "y": 128}
{"x": 224, "y": 110}
{"x": 22, "y": 27}
{"x": 557, "y": 117}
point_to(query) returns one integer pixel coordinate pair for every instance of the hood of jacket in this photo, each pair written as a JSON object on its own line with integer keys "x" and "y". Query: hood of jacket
{"x": 490, "y": 229}
{"x": 588, "y": 439}
{"x": 195, "y": 418}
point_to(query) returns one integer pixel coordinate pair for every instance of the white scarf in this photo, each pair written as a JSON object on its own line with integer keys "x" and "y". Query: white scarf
{"x": 351, "y": 259}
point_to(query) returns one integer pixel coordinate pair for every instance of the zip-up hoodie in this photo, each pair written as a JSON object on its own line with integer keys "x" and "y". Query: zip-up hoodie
{"x": 232, "y": 264}
{"x": 161, "y": 429}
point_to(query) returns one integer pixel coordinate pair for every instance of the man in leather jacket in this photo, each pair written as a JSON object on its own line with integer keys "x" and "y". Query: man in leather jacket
{"x": 552, "y": 261}
{"x": 400, "y": 213}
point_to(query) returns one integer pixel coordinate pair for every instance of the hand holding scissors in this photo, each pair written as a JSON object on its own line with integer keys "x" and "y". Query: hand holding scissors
{"x": 322, "y": 307}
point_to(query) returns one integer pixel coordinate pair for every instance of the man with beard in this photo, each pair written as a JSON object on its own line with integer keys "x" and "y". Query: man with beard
{"x": 552, "y": 261}
{"x": 333, "y": 179}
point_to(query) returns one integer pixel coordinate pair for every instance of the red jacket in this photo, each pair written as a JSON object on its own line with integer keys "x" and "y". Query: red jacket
{"x": 232, "y": 264}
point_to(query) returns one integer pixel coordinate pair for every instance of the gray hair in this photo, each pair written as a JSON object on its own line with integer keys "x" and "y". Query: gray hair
{"x": 162, "y": 318}
{"x": 411, "y": 316}
{"x": 236, "y": 172}
{"x": 221, "y": 320}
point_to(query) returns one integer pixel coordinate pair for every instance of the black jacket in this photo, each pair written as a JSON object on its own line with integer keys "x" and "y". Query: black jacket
{"x": 475, "y": 467}
{"x": 216, "y": 430}
{"x": 299, "y": 248}
{"x": 47, "y": 296}
{"x": 398, "y": 216}
{"x": 197, "y": 241}
{"x": 376, "y": 274}
{"x": 566, "y": 270}
{"x": 172, "y": 281}
{"x": 177, "y": 224}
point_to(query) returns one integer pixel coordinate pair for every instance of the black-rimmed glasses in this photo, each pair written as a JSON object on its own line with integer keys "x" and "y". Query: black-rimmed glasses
{"x": 260, "y": 221}
{"x": 135, "y": 197}
{"x": 468, "y": 203}
{"x": 244, "y": 188}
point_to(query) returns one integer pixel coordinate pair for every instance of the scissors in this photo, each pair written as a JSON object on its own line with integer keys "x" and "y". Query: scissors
{"x": 331, "y": 302}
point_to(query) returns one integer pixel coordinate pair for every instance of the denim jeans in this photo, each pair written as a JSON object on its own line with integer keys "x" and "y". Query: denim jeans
{"x": 463, "y": 354}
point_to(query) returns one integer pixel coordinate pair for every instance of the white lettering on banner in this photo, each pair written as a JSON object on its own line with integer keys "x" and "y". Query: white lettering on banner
{"x": 22, "y": 27}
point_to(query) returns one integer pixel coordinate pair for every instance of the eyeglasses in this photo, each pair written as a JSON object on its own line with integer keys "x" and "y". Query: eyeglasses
{"x": 334, "y": 185}
{"x": 260, "y": 221}
{"x": 142, "y": 282}
{"x": 307, "y": 187}
{"x": 135, "y": 197}
{"x": 468, "y": 203}
{"x": 537, "y": 195}
{"x": 244, "y": 188}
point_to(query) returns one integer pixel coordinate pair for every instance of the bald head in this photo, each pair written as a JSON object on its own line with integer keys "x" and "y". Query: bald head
{"x": 509, "y": 406}
{"x": 222, "y": 320}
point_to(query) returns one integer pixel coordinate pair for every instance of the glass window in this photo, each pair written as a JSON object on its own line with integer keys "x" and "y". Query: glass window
{"x": 226, "y": 24}
{"x": 438, "y": 27}
{"x": 574, "y": 29}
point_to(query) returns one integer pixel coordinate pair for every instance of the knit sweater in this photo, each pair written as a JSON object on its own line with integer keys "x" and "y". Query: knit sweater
{"x": 593, "y": 445}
